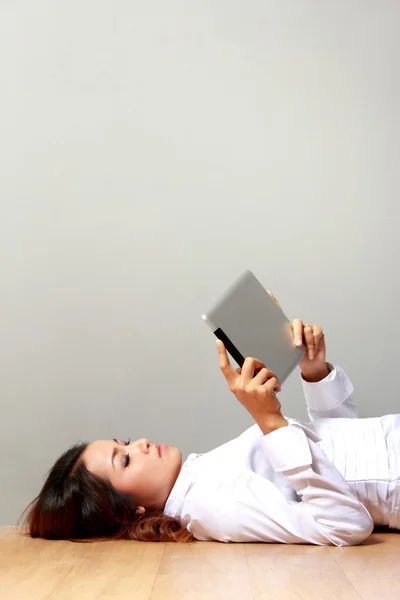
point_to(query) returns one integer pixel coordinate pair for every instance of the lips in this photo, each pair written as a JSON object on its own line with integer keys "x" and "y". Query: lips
{"x": 161, "y": 449}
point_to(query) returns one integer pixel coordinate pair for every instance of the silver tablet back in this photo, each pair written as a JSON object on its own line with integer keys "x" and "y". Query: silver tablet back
{"x": 249, "y": 323}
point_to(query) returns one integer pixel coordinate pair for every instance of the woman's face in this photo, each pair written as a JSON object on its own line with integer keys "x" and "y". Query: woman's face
{"x": 140, "y": 469}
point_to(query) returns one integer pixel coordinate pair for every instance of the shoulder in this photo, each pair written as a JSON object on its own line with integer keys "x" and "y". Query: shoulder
{"x": 210, "y": 510}
{"x": 218, "y": 510}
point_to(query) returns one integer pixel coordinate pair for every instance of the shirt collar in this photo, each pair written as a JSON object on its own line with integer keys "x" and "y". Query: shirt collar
{"x": 173, "y": 506}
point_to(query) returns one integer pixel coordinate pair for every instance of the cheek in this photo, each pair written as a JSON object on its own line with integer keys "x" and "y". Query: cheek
{"x": 124, "y": 484}
{"x": 141, "y": 477}
{"x": 126, "y": 481}
{"x": 150, "y": 477}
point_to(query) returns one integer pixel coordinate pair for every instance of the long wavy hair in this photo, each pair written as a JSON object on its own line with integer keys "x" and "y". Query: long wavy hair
{"x": 77, "y": 505}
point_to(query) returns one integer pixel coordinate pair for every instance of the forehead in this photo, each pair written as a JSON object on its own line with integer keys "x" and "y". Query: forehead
{"x": 97, "y": 456}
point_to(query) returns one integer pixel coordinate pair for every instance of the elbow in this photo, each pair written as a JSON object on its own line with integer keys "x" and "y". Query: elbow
{"x": 360, "y": 529}
{"x": 362, "y": 532}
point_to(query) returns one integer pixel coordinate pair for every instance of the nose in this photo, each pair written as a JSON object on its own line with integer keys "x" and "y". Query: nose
{"x": 142, "y": 445}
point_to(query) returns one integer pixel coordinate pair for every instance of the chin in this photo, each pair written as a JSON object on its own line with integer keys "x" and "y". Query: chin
{"x": 176, "y": 452}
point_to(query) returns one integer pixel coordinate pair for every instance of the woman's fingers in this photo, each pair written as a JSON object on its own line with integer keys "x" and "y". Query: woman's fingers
{"x": 298, "y": 332}
{"x": 250, "y": 365}
{"x": 264, "y": 376}
{"x": 309, "y": 340}
{"x": 252, "y": 369}
{"x": 274, "y": 299}
{"x": 225, "y": 366}
{"x": 318, "y": 334}
{"x": 309, "y": 335}
{"x": 248, "y": 369}
{"x": 272, "y": 385}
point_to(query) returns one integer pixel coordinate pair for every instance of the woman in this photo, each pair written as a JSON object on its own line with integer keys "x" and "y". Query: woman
{"x": 327, "y": 482}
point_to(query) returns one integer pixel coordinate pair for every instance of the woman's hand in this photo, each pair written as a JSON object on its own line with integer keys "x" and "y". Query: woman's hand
{"x": 313, "y": 365}
{"x": 312, "y": 337}
{"x": 257, "y": 393}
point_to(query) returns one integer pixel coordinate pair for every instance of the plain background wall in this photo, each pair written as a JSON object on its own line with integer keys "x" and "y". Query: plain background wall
{"x": 151, "y": 151}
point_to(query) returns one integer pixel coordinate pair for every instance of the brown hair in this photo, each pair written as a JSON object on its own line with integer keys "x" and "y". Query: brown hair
{"x": 77, "y": 505}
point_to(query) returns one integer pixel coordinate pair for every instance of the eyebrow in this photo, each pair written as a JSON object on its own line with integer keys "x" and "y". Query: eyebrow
{"x": 114, "y": 452}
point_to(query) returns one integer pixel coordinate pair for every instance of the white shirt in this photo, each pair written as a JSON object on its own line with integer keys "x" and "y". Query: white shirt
{"x": 325, "y": 482}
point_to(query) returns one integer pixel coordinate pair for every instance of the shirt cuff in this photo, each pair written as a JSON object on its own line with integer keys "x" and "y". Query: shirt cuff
{"x": 328, "y": 393}
{"x": 287, "y": 448}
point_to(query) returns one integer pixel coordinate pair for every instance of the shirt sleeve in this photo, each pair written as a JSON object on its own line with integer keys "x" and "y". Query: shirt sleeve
{"x": 330, "y": 397}
{"x": 253, "y": 509}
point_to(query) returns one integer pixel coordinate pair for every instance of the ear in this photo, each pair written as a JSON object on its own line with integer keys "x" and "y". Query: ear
{"x": 140, "y": 510}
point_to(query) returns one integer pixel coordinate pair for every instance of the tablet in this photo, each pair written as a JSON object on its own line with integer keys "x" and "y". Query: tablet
{"x": 250, "y": 323}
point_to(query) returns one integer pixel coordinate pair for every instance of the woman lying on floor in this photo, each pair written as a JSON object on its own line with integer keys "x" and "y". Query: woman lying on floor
{"x": 325, "y": 482}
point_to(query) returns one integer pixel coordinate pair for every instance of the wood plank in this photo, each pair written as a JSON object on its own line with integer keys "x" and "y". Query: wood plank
{"x": 39, "y": 569}
{"x": 203, "y": 570}
{"x": 111, "y": 570}
{"x": 291, "y": 572}
{"x": 376, "y": 588}
{"x": 32, "y": 568}
{"x": 373, "y": 568}
{"x": 58, "y": 570}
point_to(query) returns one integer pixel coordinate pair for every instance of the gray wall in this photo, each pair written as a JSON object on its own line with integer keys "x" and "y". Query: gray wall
{"x": 151, "y": 151}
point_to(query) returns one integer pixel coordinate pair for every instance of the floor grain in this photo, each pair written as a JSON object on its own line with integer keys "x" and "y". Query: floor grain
{"x": 47, "y": 570}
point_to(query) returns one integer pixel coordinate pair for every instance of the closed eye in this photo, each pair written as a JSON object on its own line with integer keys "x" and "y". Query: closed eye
{"x": 126, "y": 458}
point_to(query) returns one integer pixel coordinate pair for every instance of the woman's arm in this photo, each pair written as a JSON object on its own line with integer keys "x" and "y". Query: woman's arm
{"x": 329, "y": 512}
{"x": 330, "y": 397}
{"x": 254, "y": 509}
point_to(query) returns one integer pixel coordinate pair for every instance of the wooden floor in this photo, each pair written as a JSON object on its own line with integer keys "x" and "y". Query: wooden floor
{"x": 38, "y": 569}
